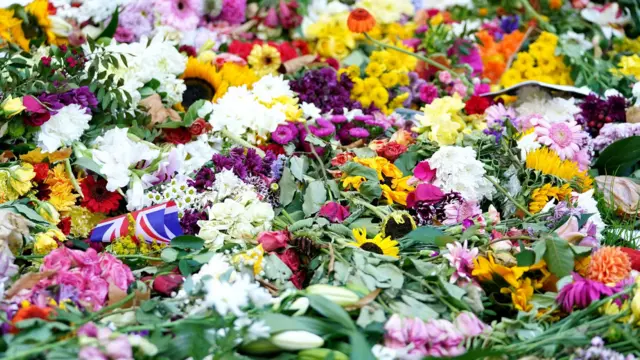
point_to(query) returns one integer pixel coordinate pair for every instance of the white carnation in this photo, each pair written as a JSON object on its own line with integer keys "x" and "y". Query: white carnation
{"x": 63, "y": 128}
{"x": 458, "y": 170}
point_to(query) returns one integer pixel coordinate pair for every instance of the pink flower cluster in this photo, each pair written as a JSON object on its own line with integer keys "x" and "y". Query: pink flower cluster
{"x": 106, "y": 347}
{"x": 437, "y": 337}
{"x": 88, "y": 273}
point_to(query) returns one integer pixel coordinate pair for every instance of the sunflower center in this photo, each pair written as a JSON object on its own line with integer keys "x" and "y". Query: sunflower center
{"x": 371, "y": 247}
{"x": 197, "y": 89}
{"x": 397, "y": 230}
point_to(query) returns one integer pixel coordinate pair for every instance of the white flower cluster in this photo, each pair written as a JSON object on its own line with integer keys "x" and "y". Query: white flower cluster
{"x": 458, "y": 170}
{"x": 83, "y": 10}
{"x": 160, "y": 60}
{"x": 242, "y": 110}
{"x": 63, "y": 128}
{"x": 185, "y": 196}
{"x": 196, "y": 153}
{"x": 236, "y": 214}
{"x": 533, "y": 101}
{"x": 116, "y": 152}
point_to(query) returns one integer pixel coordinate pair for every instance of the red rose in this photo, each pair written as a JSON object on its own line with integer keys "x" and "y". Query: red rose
{"x": 291, "y": 259}
{"x": 342, "y": 158}
{"x": 477, "y": 105}
{"x": 298, "y": 279}
{"x": 65, "y": 225}
{"x": 392, "y": 151}
{"x": 199, "y": 127}
{"x": 276, "y": 149}
{"x": 333, "y": 63}
{"x": 177, "y": 136}
{"x": 302, "y": 46}
{"x": 41, "y": 170}
{"x": 287, "y": 52}
{"x": 189, "y": 50}
{"x": 273, "y": 240}
{"x": 242, "y": 49}
{"x": 166, "y": 284}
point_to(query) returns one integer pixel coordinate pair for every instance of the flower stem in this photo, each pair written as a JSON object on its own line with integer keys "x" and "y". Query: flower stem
{"x": 529, "y": 9}
{"x": 38, "y": 350}
{"x": 508, "y": 196}
{"x": 74, "y": 181}
{"x": 419, "y": 57}
{"x": 315, "y": 154}
{"x": 241, "y": 141}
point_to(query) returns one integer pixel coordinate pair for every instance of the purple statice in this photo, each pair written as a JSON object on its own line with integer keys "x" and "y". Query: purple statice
{"x": 611, "y": 133}
{"x": 509, "y": 24}
{"x": 244, "y": 162}
{"x": 189, "y": 221}
{"x": 597, "y": 351}
{"x": 324, "y": 89}
{"x": 135, "y": 20}
{"x": 581, "y": 293}
{"x": 204, "y": 179}
{"x": 497, "y": 115}
{"x": 277, "y": 167}
{"x": 428, "y": 213}
{"x": 285, "y": 133}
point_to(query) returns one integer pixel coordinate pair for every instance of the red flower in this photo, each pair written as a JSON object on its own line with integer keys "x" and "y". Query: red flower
{"x": 634, "y": 257}
{"x": 289, "y": 17}
{"x": 287, "y": 52}
{"x": 276, "y": 149}
{"x": 291, "y": 259}
{"x": 177, "y": 136}
{"x": 298, "y": 279}
{"x": 43, "y": 191}
{"x": 392, "y": 151}
{"x": 302, "y": 46}
{"x": 41, "y": 170}
{"x": 199, "y": 127}
{"x": 342, "y": 158}
{"x": 29, "y": 312}
{"x": 189, "y": 50}
{"x": 333, "y": 63}
{"x": 242, "y": 49}
{"x": 477, "y": 105}
{"x": 96, "y": 196}
{"x": 65, "y": 225}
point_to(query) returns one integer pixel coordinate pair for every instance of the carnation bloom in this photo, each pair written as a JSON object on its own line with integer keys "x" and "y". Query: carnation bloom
{"x": 181, "y": 14}
{"x": 96, "y": 196}
{"x": 561, "y": 137}
{"x": 581, "y": 293}
{"x": 609, "y": 265}
{"x": 461, "y": 259}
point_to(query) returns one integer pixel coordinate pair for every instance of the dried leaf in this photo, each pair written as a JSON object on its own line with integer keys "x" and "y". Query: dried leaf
{"x": 159, "y": 113}
{"x": 27, "y": 281}
{"x": 364, "y": 301}
{"x": 116, "y": 294}
{"x": 298, "y": 63}
{"x": 7, "y": 156}
{"x": 633, "y": 115}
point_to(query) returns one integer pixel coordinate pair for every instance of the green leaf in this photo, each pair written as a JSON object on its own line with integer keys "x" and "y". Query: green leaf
{"x": 110, "y": 30}
{"x": 558, "y": 256}
{"x": 28, "y": 213}
{"x": 192, "y": 340}
{"x": 472, "y": 355}
{"x": 370, "y": 190}
{"x": 279, "y": 323}
{"x": 314, "y": 197}
{"x": 170, "y": 125}
{"x": 88, "y": 164}
{"x": 526, "y": 258}
{"x": 355, "y": 169}
{"x": 360, "y": 347}
{"x": 184, "y": 267}
{"x": 169, "y": 255}
{"x": 422, "y": 235}
{"x": 406, "y": 162}
{"x": 187, "y": 242}
{"x": 299, "y": 166}
{"x": 619, "y": 155}
{"x": 330, "y": 310}
{"x": 192, "y": 113}
{"x": 288, "y": 187}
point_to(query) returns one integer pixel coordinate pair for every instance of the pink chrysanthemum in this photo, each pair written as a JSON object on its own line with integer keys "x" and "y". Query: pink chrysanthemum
{"x": 561, "y": 137}
{"x": 183, "y": 15}
{"x": 461, "y": 259}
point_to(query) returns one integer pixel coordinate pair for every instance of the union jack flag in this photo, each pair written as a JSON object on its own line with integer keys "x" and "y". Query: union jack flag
{"x": 158, "y": 222}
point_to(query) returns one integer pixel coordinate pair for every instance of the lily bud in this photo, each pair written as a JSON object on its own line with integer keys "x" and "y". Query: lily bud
{"x": 297, "y": 340}
{"x": 321, "y": 354}
{"x": 259, "y": 347}
{"x": 335, "y": 294}
{"x": 620, "y": 192}
{"x": 300, "y": 306}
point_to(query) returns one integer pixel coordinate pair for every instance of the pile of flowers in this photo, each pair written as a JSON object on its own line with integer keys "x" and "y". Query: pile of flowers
{"x": 319, "y": 179}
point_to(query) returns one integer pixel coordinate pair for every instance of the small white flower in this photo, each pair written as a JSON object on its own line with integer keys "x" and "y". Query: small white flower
{"x": 527, "y": 144}
{"x": 270, "y": 87}
{"x": 310, "y": 111}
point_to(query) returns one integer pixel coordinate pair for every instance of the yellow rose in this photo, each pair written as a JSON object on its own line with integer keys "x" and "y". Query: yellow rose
{"x": 48, "y": 212}
{"x": 20, "y": 177}
{"x": 47, "y": 242}
{"x": 12, "y": 107}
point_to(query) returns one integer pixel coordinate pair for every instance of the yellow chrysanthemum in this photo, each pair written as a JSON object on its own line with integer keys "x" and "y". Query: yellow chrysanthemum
{"x": 36, "y": 156}
{"x": 377, "y": 245}
{"x": 541, "y": 196}
{"x": 374, "y": 69}
{"x": 511, "y": 77}
{"x": 628, "y": 66}
{"x": 549, "y": 163}
{"x": 83, "y": 220}
{"x": 264, "y": 59}
{"x": 381, "y": 165}
{"x": 251, "y": 258}
{"x": 523, "y": 62}
{"x": 45, "y": 242}
{"x": 62, "y": 196}
{"x": 379, "y": 95}
{"x": 389, "y": 79}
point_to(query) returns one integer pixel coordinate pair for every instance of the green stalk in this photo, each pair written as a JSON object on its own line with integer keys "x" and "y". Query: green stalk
{"x": 74, "y": 181}
{"x": 506, "y": 194}
{"x": 38, "y": 350}
{"x": 238, "y": 140}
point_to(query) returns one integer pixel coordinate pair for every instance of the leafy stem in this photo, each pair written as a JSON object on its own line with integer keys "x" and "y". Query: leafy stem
{"x": 508, "y": 196}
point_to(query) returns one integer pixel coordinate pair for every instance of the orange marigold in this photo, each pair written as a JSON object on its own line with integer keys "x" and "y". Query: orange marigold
{"x": 609, "y": 265}
{"x": 360, "y": 21}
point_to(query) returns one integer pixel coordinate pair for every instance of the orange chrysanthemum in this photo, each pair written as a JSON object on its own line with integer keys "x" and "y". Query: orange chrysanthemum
{"x": 609, "y": 265}
{"x": 360, "y": 21}
{"x": 29, "y": 312}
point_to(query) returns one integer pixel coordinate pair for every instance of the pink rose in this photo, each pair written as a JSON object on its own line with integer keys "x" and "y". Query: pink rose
{"x": 298, "y": 279}
{"x": 273, "y": 240}
{"x": 74, "y": 279}
{"x": 291, "y": 259}
{"x": 120, "y": 348}
{"x": 395, "y": 336}
{"x": 57, "y": 260}
{"x": 95, "y": 292}
{"x": 91, "y": 353}
{"x": 166, "y": 284}
{"x": 114, "y": 271}
{"x": 335, "y": 212}
{"x": 469, "y": 324}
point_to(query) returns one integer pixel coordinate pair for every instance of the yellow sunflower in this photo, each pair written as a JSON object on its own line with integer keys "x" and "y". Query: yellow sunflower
{"x": 11, "y": 29}
{"x": 264, "y": 59}
{"x": 376, "y": 245}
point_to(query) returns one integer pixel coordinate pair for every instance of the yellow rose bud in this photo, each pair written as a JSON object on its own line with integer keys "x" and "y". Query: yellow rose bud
{"x": 12, "y": 106}
{"x": 20, "y": 177}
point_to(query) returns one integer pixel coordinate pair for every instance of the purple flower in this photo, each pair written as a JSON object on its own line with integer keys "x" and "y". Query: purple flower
{"x": 204, "y": 179}
{"x": 91, "y": 353}
{"x": 189, "y": 221}
{"x": 509, "y": 24}
{"x": 137, "y": 18}
{"x": 469, "y": 324}
{"x": 581, "y": 293}
{"x": 467, "y": 53}
{"x": 120, "y": 348}
{"x": 283, "y": 134}
{"x": 322, "y": 128}
{"x": 338, "y": 119}
{"x": 124, "y": 35}
{"x": 89, "y": 329}
{"x": 461, "y": 260}
{"x": 325, "y": 90}
{"x": 233, "y": 11}
{"x": 277, "y": 166}
{"x": 335, "y": 212}
{"x": 359, "y": 132}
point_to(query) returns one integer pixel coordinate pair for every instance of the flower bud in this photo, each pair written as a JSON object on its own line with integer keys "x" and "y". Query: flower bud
{"x": 207, "y": 57}
{"x": 321, "y": 354}
{"x": 60, "y": 27}
{"x": 260, "y": 347}
{"x": 12, "y": 106}
{"x": 297, "y": 340}
{"x": 300, "y": 306}
{"x": 335, "y": 294}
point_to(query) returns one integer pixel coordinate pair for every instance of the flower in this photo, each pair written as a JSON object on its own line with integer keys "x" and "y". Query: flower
{"x": 48, "y": 241}
{"x": 609, "y": 265}
{"x": 548, "y": 162}
{"x": 12, "y": 106}
{"x": 581, "y": 293}
{"x": 451, "y": 161}
{"x": 290, "y": 258}
{"x": 264, "y": 59}
{"x": 477, "y": 105}
{"x": 541, "y": 196}
{"x": 96, "y": 196}
{"x": 376, "y": 245}
{"x": 63, "y": 128}
{"x": 424, "y": 193}
{"x": 177, "y": 136}
{"x": 29, "y": 312}
{"x": 183, "y": 15}
{"x": 335, "y": 212}
{"x": 233, "y": 11}
{"x": 360, "y": 21}
{"x": 392, "y": 151}
{"x": 199, "y": 127}
{"x": 273, "y": 240}
{"x": 562, "y": 137}
{"x": 469, "y": 325}
{"x": 620, "y": 193}
{"x": 461, "y": 259}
